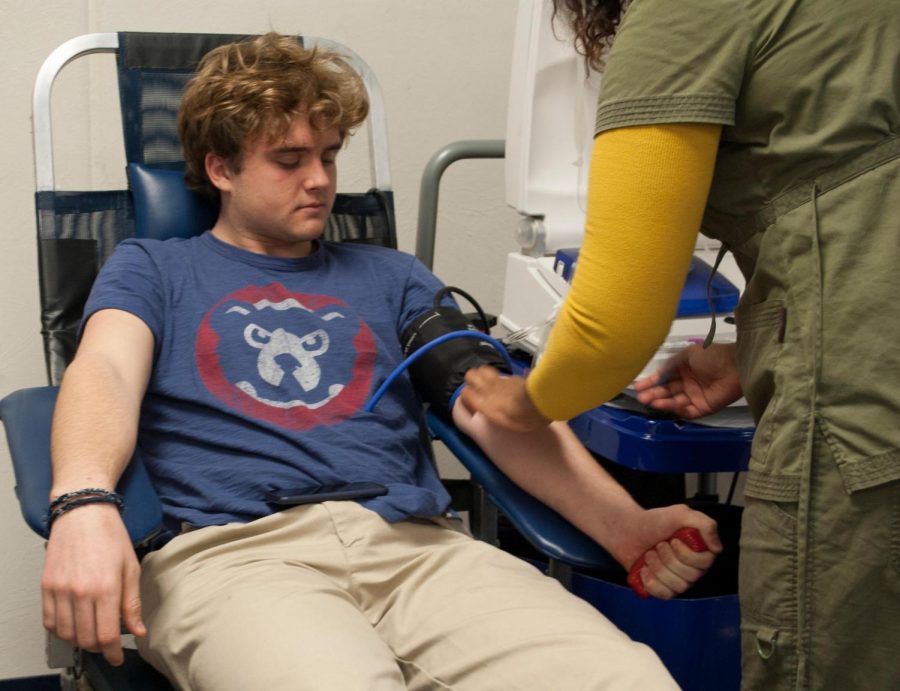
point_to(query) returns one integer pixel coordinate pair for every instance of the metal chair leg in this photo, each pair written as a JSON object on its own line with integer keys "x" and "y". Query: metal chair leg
{"x": 561, "y": 572}
{"x": 483, "y": 517}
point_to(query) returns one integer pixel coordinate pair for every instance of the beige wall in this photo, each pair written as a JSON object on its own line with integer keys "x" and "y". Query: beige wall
{"x": 444, "y": 69}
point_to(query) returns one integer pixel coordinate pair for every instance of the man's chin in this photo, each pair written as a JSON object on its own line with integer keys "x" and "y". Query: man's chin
{"x": 309, "y": 231}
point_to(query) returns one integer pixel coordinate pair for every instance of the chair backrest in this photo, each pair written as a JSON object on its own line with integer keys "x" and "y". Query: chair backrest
{"x": 78, "y": 230}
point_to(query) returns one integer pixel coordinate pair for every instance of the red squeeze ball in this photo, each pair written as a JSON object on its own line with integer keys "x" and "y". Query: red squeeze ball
{"x": 689, "y": 536}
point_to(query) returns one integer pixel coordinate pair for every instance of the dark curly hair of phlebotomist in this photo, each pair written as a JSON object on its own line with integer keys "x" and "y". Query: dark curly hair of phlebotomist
{"x": 593, "y": 23}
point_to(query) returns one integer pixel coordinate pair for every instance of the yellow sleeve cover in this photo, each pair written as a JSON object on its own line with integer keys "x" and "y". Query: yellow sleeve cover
{"x": 647, "y": 193}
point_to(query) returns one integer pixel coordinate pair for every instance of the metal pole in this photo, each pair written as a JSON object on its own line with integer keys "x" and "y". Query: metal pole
{"x": 431, "y": 182}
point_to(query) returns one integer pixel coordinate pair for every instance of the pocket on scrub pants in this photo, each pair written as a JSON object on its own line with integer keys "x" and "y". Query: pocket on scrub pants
{"x": 768, "y": 592}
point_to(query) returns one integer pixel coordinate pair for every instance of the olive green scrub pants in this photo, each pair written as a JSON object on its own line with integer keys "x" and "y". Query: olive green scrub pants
{"x": 820, "y": 586}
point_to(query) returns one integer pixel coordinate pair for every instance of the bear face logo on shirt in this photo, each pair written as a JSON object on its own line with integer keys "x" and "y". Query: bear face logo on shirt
{"x": 292, "y": 359}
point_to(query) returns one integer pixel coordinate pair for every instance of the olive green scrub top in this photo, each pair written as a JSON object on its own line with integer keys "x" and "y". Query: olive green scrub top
{"x": 805, "y": 193}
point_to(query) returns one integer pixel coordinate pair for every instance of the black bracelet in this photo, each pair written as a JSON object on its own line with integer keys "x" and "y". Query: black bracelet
{"x": 86, "y": 492}
{"x": 82, "y": 500}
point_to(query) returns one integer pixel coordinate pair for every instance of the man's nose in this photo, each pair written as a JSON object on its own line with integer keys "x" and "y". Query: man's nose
{"x": 316, "y": 175}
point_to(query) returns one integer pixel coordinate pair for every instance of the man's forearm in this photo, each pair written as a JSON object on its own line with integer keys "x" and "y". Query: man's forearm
{"x": 94, "y": 427}
{"x": 553, "y": 466}
{"x": 96, "y": 417}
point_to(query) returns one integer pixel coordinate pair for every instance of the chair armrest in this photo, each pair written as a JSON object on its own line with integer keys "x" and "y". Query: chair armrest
{"x": 27, "y": 415}
{"x": 545, "y": 530}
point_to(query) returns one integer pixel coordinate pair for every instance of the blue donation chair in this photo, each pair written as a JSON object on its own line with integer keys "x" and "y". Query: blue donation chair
{"x": 78, "y": 230}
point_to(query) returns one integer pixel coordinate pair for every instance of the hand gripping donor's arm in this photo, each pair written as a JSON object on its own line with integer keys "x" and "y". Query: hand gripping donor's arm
{"x": 446, "y": 344}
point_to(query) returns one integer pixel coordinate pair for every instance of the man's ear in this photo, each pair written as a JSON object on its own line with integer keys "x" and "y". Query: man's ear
{"x": 219, "y": 172}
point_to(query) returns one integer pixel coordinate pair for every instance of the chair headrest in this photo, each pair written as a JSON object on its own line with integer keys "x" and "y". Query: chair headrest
{"x": 164, "y": 207}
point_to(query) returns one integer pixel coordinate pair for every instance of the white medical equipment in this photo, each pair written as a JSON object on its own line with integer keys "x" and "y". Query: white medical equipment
{"x": 550, "y": 126}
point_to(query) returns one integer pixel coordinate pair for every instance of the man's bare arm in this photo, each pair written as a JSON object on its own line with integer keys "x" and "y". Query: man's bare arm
{"x": 551, "y": 464}
{"x": 91, "y": 573}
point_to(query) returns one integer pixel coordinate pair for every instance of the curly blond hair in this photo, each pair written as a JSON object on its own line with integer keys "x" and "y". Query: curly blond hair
{"x": 254, "y": 89}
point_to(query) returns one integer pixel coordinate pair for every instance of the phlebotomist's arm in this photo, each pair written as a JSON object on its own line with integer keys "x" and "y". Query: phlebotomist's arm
{"x": 647, "y": 193}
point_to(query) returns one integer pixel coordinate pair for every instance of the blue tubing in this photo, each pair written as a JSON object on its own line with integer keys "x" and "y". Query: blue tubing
{"x": 399, "y": 369}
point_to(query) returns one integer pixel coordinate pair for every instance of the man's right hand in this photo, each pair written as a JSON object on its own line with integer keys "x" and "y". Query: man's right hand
{"x": 694, "y": 383}
{"x": 91, "y": 581}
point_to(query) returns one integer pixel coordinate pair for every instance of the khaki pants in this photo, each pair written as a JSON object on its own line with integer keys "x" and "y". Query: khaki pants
{"x": 330, "y": 597}
{"x": 820, "y": 586}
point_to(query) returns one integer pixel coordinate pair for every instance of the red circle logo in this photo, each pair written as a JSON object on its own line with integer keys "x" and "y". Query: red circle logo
{"x": 295, "y": 360}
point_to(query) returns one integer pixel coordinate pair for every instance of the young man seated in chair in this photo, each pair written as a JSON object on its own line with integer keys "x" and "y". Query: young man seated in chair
{"x": 239, "y": 362}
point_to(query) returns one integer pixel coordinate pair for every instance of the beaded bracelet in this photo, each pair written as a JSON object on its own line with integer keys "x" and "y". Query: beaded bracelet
{"x": 82, "y": 497}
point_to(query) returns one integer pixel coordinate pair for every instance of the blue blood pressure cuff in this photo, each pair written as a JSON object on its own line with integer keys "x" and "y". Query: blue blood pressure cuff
{"x": 439, "y": 372}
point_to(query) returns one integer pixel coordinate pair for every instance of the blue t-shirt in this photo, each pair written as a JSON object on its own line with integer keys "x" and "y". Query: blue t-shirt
{"x": 262, "y": 366}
